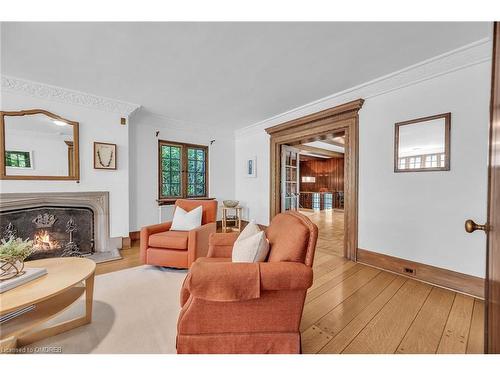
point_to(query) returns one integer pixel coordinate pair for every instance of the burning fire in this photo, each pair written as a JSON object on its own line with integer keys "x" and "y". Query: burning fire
{"x": 42, "y": 241}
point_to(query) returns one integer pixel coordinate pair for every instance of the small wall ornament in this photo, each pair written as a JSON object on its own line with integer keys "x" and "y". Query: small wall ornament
{"x": 251, "y": 167}
{"x": 104, "y": 155}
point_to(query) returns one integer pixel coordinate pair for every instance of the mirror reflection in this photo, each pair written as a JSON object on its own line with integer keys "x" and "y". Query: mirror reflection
{"x": 423, "y": 144}
{"x": 38, "y": 145}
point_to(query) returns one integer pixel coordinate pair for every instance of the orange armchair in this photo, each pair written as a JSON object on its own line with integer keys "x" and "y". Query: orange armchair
{"x": 161, "y": 246}
{"x": 249, "y": 307}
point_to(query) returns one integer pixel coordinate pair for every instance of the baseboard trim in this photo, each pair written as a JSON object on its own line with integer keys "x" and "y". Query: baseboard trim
{"x": 126, "y": 243}
{"x": 441, "y": 277}
{"x": 134, "y": 236}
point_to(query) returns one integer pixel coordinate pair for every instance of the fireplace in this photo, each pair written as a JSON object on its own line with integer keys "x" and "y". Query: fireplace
{"x": 61, "y": 223}
{"x": 55, "y": 231}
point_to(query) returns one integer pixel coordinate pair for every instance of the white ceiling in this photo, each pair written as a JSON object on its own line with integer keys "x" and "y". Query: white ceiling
{"x": 225, "y": 74}
{"x": 325, "y": 146}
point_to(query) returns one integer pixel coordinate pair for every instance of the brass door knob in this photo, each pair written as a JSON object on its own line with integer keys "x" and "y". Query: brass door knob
{"x": 471, "y": 226}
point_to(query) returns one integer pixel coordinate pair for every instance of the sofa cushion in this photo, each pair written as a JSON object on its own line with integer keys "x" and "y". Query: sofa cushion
{"x": 171, "y": 239}
{"x": 288, "y": 238}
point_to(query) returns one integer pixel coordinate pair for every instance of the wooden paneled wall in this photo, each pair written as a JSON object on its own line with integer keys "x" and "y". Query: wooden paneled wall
{"x": 329, "y": 174}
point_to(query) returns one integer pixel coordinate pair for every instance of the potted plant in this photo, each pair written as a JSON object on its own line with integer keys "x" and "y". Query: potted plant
{"x": 13, "y": 252}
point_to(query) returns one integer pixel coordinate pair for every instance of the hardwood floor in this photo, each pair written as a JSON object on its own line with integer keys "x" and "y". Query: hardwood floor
{"x": 331, "y": 229}
{"x": 130, "y": 258}
{"x": 354, "y": 308}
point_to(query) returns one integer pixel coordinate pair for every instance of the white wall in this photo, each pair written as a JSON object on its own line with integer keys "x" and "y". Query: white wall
{"x": 144, "y": 209}
{"x": 415, "y": 216}
{"x": 95, "y": 125}
{"x": 253, "y": 193}
{"x": 420, "y": 216}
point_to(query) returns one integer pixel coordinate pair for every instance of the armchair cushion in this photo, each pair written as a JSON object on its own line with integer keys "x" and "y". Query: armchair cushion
{"x": 171, "y": 239}
{"x": 251, "y": 249}
{"x": 287, "y": 245}
{"x": 209, "y": 214}
{"x": 251, "y": 245}
{"x": 184, "y": 220}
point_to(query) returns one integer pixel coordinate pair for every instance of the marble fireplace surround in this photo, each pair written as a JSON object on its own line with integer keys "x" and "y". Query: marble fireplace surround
{"x": 104, "y": 246}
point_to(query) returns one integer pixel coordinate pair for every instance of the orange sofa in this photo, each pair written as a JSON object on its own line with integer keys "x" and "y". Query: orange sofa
{"x": 161, "y": 246}
{"x": 249, "y": 307}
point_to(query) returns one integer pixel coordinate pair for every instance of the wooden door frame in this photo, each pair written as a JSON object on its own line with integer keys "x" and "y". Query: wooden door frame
{"x": 492, "y": 292}
{"x": 337, "y": 119}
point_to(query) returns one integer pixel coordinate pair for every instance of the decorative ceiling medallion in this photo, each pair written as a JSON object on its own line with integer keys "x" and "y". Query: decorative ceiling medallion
{"x": 60, "y": 94}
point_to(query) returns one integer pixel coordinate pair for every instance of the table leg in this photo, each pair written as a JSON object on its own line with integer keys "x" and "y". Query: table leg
{"x": 33, "y": 336}
{"x": 89, "y": 297}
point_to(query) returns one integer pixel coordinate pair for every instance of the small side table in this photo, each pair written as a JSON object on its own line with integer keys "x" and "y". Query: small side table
{"x": 234, "y": 219}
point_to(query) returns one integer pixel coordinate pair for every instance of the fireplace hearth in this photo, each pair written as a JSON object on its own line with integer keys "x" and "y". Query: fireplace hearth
{"x": 55, "y": 231}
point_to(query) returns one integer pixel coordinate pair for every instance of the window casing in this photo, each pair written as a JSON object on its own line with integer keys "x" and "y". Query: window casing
{"x": 182, "y": 170}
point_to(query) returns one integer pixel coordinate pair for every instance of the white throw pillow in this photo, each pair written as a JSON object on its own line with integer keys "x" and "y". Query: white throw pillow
{"x": 251, "y": 246}
{"x": 186, "y": 220}
{"x": 248, "y": 231}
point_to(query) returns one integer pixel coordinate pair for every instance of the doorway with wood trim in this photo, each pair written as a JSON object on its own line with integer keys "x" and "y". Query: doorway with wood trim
{"x": 312, "y": 182}
{"x": 298, "y": 136}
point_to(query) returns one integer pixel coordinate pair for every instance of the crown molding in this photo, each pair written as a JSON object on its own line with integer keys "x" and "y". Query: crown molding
{"x": 461, "y": 58}
{"x": 64, "y": 95}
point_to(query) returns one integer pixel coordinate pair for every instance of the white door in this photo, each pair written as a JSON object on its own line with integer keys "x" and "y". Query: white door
{"x": 289, "y": 178}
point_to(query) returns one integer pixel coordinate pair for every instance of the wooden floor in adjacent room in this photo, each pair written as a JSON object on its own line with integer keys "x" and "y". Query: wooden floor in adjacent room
{"x": 354, "y": 308}
{"x": 330, "y": 230}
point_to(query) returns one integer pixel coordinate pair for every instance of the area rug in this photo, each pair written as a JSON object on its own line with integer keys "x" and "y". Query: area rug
{"x": 135, "y": 311}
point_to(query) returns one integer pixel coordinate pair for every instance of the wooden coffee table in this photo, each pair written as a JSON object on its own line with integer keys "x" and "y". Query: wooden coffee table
{"x": 66, "y": 280}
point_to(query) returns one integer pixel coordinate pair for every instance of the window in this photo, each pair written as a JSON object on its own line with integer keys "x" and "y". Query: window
{"x": 431, "y": 161}
{"x": 183, "y": 171}
{"x": 414, "y": 162}
{"x": 422, "y": 161}
{"x": 17, "y": 159}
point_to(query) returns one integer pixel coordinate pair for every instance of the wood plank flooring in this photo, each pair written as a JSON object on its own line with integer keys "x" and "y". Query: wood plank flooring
{"x": 354, "y": 308}
{"x": 130, "y": 258}
{"x": 331, "y": 230}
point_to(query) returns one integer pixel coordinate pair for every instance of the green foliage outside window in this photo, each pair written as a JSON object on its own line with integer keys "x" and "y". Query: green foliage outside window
{"x": 171, "y": 171}
{"x": 19, "y": 159}
{"x": 176, "y": 182}
{"x": 196, "y": 173}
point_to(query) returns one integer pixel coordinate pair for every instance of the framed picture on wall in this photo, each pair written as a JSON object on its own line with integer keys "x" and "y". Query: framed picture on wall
{"x": 104, "y": 155}
{"x": 251, "y": 167}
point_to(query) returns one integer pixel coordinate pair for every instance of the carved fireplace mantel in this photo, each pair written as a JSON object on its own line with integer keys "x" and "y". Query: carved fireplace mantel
{"x": 97, "y": 201}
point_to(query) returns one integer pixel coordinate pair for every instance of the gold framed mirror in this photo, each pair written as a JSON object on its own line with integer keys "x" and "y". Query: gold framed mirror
{"x": 38, "y": 145}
